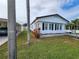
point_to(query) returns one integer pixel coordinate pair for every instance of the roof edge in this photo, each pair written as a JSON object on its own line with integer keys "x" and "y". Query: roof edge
{"x": 48, "y": 16}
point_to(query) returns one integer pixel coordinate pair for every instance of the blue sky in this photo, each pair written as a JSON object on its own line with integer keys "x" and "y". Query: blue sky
{"x": 71, "y": 4}
{"x": 69, "y": 9}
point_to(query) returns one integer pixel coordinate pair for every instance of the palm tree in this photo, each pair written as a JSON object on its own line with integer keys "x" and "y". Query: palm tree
{"x": 73, "y": 25}
{"x": 12, "y": 30}
{"x": 76, "y": 23}
{"x": 69, "y": 26}
{"x": 28, "y": 22}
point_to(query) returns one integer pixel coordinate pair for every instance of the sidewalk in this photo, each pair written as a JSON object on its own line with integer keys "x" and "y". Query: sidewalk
{"x": 3, "y": 40}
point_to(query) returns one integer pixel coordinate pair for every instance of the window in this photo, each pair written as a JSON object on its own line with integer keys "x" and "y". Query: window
{"x": 44, "y": 26}
{"x": 50, "y": 26}
{"x": 60, "y": 26}
{"x": 56, "y": 26}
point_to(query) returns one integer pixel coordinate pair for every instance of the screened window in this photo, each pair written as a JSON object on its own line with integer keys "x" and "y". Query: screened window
{"x": 50, "y": 26}
{"x": 44, "y": 26}
{"x": 56, "y": 26}
{"x": 60, "y": 26}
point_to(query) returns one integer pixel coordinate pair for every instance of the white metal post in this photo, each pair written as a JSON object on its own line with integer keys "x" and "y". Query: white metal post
{"x": 28, "y": 21}
{"x": 12, "y": 30}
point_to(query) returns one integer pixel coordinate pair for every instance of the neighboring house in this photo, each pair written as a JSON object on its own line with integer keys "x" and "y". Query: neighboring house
{"x": 50, "y": 24}
{"x": 18, "y": 27}
{"x": 3, "y": 24}
{"x": 24, "y": 27}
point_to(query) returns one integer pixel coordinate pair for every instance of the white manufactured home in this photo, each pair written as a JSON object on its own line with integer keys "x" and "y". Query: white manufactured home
{"x": 50, "y": 24}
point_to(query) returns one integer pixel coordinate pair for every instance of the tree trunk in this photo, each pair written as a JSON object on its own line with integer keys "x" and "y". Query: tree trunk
{"x": 28, "y": 22}
{"x": 12, "y": 49}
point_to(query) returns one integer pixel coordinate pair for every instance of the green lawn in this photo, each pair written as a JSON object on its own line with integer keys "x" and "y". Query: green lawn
{"x": 63, "y": 47}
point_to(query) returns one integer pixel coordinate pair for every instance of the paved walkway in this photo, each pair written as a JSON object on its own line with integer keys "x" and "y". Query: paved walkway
{"x": 3, "y": 40}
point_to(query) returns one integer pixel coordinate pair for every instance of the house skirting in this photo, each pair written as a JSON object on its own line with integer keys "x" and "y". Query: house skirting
{"x": 52, "y": 34}
{"x": 59, "y": 34}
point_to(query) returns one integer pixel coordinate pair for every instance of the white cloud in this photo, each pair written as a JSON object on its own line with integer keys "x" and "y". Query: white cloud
{"x": 21, "y": 11}
{"x": 38, "y": 8}
{"x": 43, "y": 7}
{"x": 71, "y": 13}
{"x": 3, "y": 8}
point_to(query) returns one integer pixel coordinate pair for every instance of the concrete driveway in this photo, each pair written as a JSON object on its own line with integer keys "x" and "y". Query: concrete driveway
{"x": 3, "y": 40}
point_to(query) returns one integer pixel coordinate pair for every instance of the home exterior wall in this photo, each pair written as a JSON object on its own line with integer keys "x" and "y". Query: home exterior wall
{"x": 23, "y": 28}
{"x": 54, "y": 19}
{"x": 34, "y": 25}
{"x": 51, "y": 19}
{"x": 54, "y": 31}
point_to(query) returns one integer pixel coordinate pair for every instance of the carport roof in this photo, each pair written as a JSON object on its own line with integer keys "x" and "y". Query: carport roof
{"x": 3, "y": 19}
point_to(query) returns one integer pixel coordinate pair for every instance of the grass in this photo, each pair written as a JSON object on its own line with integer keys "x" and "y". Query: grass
{"x": 63, "y": 47}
